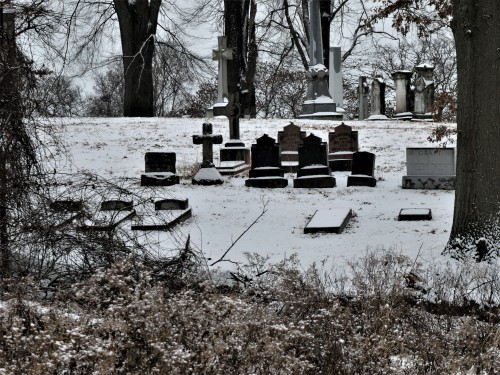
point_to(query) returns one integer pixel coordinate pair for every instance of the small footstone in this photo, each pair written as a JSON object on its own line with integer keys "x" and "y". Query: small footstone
{"x": 330, "y": 221}
{"x": 412, "y": 214}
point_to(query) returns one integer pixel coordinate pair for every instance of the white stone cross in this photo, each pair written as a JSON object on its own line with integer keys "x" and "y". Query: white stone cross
{"x": 222, "y": 55}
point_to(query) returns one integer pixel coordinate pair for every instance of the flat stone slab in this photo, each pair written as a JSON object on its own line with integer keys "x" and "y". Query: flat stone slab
{"x": 429, "y": 182}
{"x": 107, "y": 220}
{"x": 267, "y": 182}
{"x": 412, "y": 214}
{"x": 330, "y": 221}
{"x": 315, "y": 181}
{"x": 161, "y": 220}
{"x": 361, "y": 180}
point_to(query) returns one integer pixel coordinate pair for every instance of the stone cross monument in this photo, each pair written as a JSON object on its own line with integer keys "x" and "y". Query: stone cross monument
{"x": 222, "y": 55}
{"x": 207, "y": 140}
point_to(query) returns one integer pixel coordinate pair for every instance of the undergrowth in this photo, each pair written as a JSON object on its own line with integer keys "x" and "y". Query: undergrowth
{"x": 386, "y": 315}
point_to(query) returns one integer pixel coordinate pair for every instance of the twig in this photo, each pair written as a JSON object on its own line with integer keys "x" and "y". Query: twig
{"x": 264, "y": 210}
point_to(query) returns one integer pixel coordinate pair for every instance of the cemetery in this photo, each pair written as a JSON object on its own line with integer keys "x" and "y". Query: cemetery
{"x": 280, "y": 218}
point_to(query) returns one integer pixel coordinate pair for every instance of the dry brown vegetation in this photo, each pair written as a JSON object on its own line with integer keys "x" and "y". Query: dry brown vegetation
{"x": 276, "y": 319}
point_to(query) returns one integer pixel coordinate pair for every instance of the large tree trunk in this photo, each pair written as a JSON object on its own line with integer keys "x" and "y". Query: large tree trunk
{"x": 138, "y": 22}
{"x": 476, "y": 26}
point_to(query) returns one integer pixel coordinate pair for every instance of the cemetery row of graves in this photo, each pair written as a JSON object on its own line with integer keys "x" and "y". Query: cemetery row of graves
{"x": 311, "y": 161}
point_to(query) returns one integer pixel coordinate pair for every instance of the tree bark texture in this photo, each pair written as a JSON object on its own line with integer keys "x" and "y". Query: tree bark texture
{"x": 476, "y": 26}
{"x": 138, "y": 22}
{"x": 239, "y": 27}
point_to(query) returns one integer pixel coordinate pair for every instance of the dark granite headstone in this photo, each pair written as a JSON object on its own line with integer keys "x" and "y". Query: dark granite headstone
{"x": 160, "y": 169}
{"x": 160, "y": 162}
{"x": 363, "y": 169}
{"x": 171, "y": 204}
{"x": 342, "y": 143}
{"x": 313, "y": 162}
{"x": 266, "y": 164}
{"x": 290, "y": 138}
{"x": 66, "y": 212}
{"x": 117, "y": 205}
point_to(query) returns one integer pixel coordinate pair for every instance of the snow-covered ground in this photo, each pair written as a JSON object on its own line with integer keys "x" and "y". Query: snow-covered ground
{"x": 114, "y": 148}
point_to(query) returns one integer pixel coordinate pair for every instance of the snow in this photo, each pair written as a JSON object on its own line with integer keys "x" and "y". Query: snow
{"x": 328, "y": 218}
{"x": 115, "y": 148}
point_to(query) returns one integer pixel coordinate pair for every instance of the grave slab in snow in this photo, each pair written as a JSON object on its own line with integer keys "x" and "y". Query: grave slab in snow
{"x": 411, "y": 214}
{"x": 330, "y": 221}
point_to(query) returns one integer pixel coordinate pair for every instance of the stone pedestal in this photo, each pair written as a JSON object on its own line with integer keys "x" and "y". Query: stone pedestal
{"x": 402, "y": 80}
{"x": 424, "y": 92}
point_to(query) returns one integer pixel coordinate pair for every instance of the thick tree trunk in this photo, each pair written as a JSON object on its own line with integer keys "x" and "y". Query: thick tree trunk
{"x": 138, "y": 21}
{"x": 476, "y": 26}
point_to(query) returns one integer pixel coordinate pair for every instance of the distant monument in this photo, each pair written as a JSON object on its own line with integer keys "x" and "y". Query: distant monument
{"x": 402, "y": 80}
{"x": 424, "y": 92}
{"x": 377, "y": 100}
{"x": 363, "y": 92}
{"x": 318, "y": 104}
{"x": 335, "y": 85}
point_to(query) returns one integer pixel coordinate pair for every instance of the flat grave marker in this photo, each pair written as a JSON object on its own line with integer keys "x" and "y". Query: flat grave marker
{"x": 330, "y": 221}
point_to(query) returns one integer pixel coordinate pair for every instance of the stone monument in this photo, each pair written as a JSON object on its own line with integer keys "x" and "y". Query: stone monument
{"x": 266, "y": 171}
{"x": 318, "y": 104}
{"x": 313, "y": 171}
{"x": 378, "y": 99}
{"x": 160, "y": 169}
{"x": 424, "y": 92}
{"x": 342, "y": 143}
{"x": 363, "y": 169}
{"x": 363, "y": 92}
{"x": 222, "y": 55}
{"x": 208, "y": 174}
{"x": 335, "y": 84}
{"x": 430, "y": 168}
{"x": 290, "y": 138}
{"x": 402, "y": 80}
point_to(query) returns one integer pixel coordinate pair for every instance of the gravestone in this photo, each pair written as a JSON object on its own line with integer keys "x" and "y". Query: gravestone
{"x": 377, "y": 100}
{"x": 207, "y": 174}
{"x": 290, "y": 138}
{"x": 329, "y": 221}
{"x": 363, "y": 92}
{"x": 414, "y": 214}
{"x": 424, "y": 92}
{"x": 266, "y": 168}
{"x": 313, "y": 171}
{"x": 221, "y": 55}
{"x": 318, "y": 104}
{"x": 363, "y": 169}
{"x": 66, "y": 212}
{"x": 402, "y": 80}
{"x": 160, "y": 169}
{"x": 112, "y": 213}
{"x": 167, "y": 214}
{"x": 342, "y": 143}
{"x": 430, "y": 168}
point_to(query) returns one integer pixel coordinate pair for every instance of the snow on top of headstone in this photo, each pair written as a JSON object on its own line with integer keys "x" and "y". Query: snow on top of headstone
{"x": 131, "y": 2}
{"x": 425, "y": 65}
{"x": 318, "y": 68}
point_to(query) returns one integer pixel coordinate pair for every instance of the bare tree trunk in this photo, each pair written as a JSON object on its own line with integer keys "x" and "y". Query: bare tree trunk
{"x": 138, "y": 22}
{"x": 476, "y": 26}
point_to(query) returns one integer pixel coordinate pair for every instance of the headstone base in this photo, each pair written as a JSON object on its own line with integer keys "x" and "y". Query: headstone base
{"x": 361, "y": 180}
{"x": 290, "y": 166}
{"x": 266, "y": 172}
{"x": 207, "y": 177}
{"x": 317, "y": 181}
{"x": 267, "y": 182}
{"x": 403, "y": 116}
{"x": 153, "y": 223}
{"x": 412, "y": 214}
{"x": 423, "y": 116}
{"x": 429, "y": 182}
{"x": 330, "y": 221}
{"x": 159, "y": 179}
{"x": 314, "y": 170}
{"x": 231, "y": 168}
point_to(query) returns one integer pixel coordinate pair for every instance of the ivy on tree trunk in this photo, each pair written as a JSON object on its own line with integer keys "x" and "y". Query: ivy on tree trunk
{"x": 476, "y": 27}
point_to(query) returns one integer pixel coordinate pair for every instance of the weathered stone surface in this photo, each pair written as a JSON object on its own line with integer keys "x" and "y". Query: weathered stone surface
{"x": 160, "y": 169}
{"x": 430, "y": 168}
{"x": 330, "y": 221}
